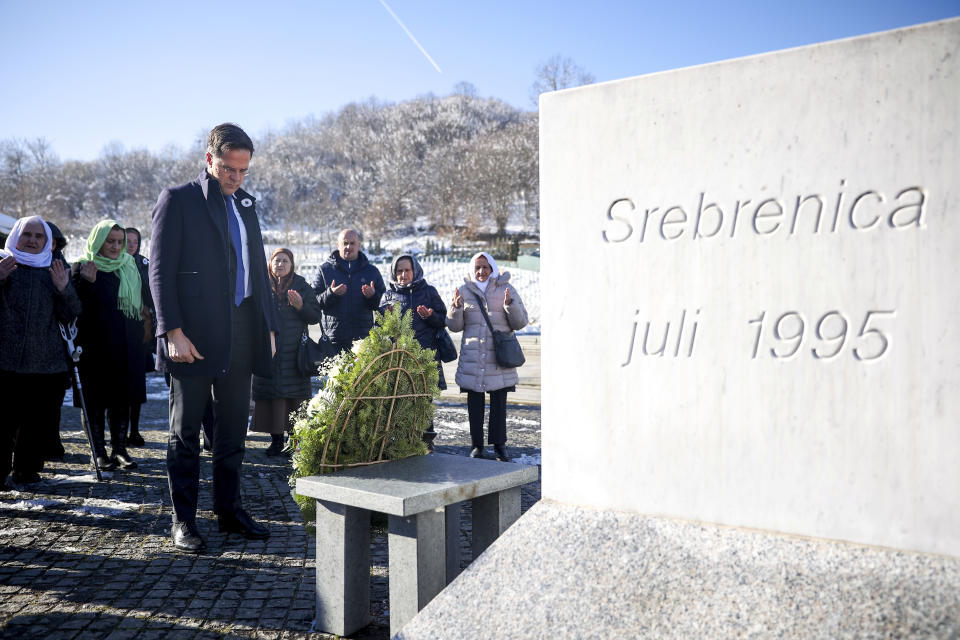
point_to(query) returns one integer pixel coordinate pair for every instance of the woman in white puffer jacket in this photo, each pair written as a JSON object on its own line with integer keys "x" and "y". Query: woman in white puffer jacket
{"x": 477, "y": 370}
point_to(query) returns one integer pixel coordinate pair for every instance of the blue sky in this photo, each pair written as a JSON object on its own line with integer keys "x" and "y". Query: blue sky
{"x": 148, "y": 74}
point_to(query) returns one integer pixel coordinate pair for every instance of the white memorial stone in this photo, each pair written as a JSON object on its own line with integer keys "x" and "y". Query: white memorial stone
{"x": 750, "y": 307}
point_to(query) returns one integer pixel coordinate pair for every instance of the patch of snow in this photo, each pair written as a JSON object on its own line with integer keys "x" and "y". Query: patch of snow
{"x": 86, "y": 477}
{"x": 532, "y": 461}
{"x": 19, "y": 532}
{"x": 101, "y": 508}
{"x": 38, "y": 504}
{"x": 445, "y": 425}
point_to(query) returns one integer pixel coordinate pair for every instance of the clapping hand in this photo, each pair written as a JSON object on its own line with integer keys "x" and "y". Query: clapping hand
{"x": 88, "y": 271}
{"x": 338, "y": 289}
{"x": 368, "y": 290}
{"x": 294, "y": 299}
{"x": 59, "y": 275}
{"x": 457, "y": 299}
{"x": 424, "y": 311}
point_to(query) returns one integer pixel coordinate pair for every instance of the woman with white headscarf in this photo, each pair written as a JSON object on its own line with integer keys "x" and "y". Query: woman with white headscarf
{"x": 113, "y": 334}
{"x": 35, "y": 294}
{"x": 477, "y": 370}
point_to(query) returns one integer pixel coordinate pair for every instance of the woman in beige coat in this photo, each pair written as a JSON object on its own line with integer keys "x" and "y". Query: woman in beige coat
{"x": 477, "y": 370}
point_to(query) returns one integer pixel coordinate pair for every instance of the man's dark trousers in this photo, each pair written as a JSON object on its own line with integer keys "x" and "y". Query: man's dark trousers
{"x": 231, "y": 400}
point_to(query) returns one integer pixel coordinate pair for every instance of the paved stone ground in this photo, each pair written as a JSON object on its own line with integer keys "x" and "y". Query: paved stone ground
{"x": 87, "y": 559}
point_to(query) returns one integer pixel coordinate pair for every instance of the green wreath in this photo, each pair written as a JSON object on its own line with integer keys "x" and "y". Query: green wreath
{"x": 375, "y": 405}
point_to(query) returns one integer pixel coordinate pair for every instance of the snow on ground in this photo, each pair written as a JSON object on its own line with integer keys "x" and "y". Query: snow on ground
{"x": 37, "y": 504}
{"x": 19, "y": 532}
{"x": 532, "y": 461}
{"x": 90, "y": 478}
{"x": 101, "y": 508}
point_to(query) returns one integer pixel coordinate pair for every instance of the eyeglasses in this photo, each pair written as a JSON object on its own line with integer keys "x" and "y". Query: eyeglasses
{"x": 231, "y": 171}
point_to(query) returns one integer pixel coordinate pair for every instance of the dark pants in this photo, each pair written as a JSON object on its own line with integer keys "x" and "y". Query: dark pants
{"x": 24, "y": 398}
{"x": 116, "y": 417}
{"x": 497, "y": 432}
{"x": 134, "y": 414}
{"x": 189, "y": 396}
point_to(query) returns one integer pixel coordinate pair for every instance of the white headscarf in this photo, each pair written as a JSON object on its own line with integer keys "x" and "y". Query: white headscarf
{"x": 494, "y": 271}
{"x": 42, "y": 259}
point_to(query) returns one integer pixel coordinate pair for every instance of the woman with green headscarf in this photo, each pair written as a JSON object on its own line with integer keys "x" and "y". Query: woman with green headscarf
{"x": 111, "y": 332}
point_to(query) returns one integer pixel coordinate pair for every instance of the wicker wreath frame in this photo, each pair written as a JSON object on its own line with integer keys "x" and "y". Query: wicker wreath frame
{"x": 350, "y": 403}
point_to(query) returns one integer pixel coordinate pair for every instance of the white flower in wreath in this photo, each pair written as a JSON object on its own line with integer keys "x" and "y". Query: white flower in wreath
{"x": 246, "y": 202}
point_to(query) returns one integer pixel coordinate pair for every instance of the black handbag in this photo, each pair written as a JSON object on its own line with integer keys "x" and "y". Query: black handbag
{"x": 446, "y": 351}
{"x": 506, "y": 347}
{"x": 311, "y": 354}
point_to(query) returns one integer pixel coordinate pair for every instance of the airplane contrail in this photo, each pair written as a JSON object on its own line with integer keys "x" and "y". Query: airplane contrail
{"x": 410, "y": 35}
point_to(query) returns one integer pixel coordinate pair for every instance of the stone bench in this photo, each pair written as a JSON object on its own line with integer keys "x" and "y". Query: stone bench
{"x": 421, "y": 497}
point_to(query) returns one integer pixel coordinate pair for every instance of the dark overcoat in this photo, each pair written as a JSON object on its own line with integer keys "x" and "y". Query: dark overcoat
{"x": 411, "y": 296}
{"x": 287, "y": 381}
{"x": 111, "y": 364}
{"x": 348, "y": 317}
{"x": 30, "y": 308}
{"x": 192, "y": 275}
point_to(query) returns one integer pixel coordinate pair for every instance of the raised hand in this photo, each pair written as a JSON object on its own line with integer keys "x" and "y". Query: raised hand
{"x": 88, "y": 271}
{"x": 7, "y": 266}
{"x": 368, "y": 290}
{"x": 294, "y": 299}
{"x": 59, "y": 275}
{"x": 338, "y": 289}
{"x": 424, "y": 311}
{"x": 457, "y": 299}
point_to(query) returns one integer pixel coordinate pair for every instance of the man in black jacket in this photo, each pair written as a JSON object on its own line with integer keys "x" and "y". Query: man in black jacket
{"x": 215, "y": 327}
{"x": 348, "y": 289}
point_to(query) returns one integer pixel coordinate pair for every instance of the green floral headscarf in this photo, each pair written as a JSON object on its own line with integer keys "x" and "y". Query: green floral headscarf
{"x": 129, "y": 300}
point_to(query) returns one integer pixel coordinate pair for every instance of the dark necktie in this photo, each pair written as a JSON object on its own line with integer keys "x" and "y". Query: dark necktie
{"x": 239, "y": 288}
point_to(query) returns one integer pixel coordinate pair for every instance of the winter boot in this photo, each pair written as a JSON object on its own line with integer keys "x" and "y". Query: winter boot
{"x": 428, "y": 437}
{"x": 134, "y": 439}
{"x": 118, "y": 440}
{"x": 104, "y": 463}
{"x": 276, "y": 444}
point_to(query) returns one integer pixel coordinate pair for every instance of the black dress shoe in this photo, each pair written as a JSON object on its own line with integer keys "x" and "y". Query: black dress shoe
{"x": 240, "y": 522}
{"x": 135, "y": 439}
{"x": 477, "y": 452}
{"x": 124, "y": 461}
{"x": 105, "y": 464}
{"x": 501, "y": 453}
{"x": 187, "y": 538}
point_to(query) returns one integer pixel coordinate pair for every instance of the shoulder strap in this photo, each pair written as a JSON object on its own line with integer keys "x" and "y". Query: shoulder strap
{"x": 483, "y": 309}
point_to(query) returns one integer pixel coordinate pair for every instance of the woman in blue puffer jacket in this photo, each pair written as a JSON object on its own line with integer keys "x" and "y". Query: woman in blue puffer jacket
{"x": 412, "y": 293}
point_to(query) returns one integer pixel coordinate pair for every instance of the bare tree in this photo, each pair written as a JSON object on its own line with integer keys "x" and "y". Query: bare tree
{"x": 557, "y": 73}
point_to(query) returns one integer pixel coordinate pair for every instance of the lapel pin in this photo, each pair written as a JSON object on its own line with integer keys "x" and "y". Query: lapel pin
{"x": 246, "y": 202}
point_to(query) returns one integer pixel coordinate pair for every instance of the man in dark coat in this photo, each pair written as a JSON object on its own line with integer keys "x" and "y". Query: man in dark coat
{"x": 215, "y": 327}
{"x": 348, "y": 289}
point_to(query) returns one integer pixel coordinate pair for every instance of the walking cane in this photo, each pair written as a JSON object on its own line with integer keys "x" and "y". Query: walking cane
{"x": 69, "y": 334}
